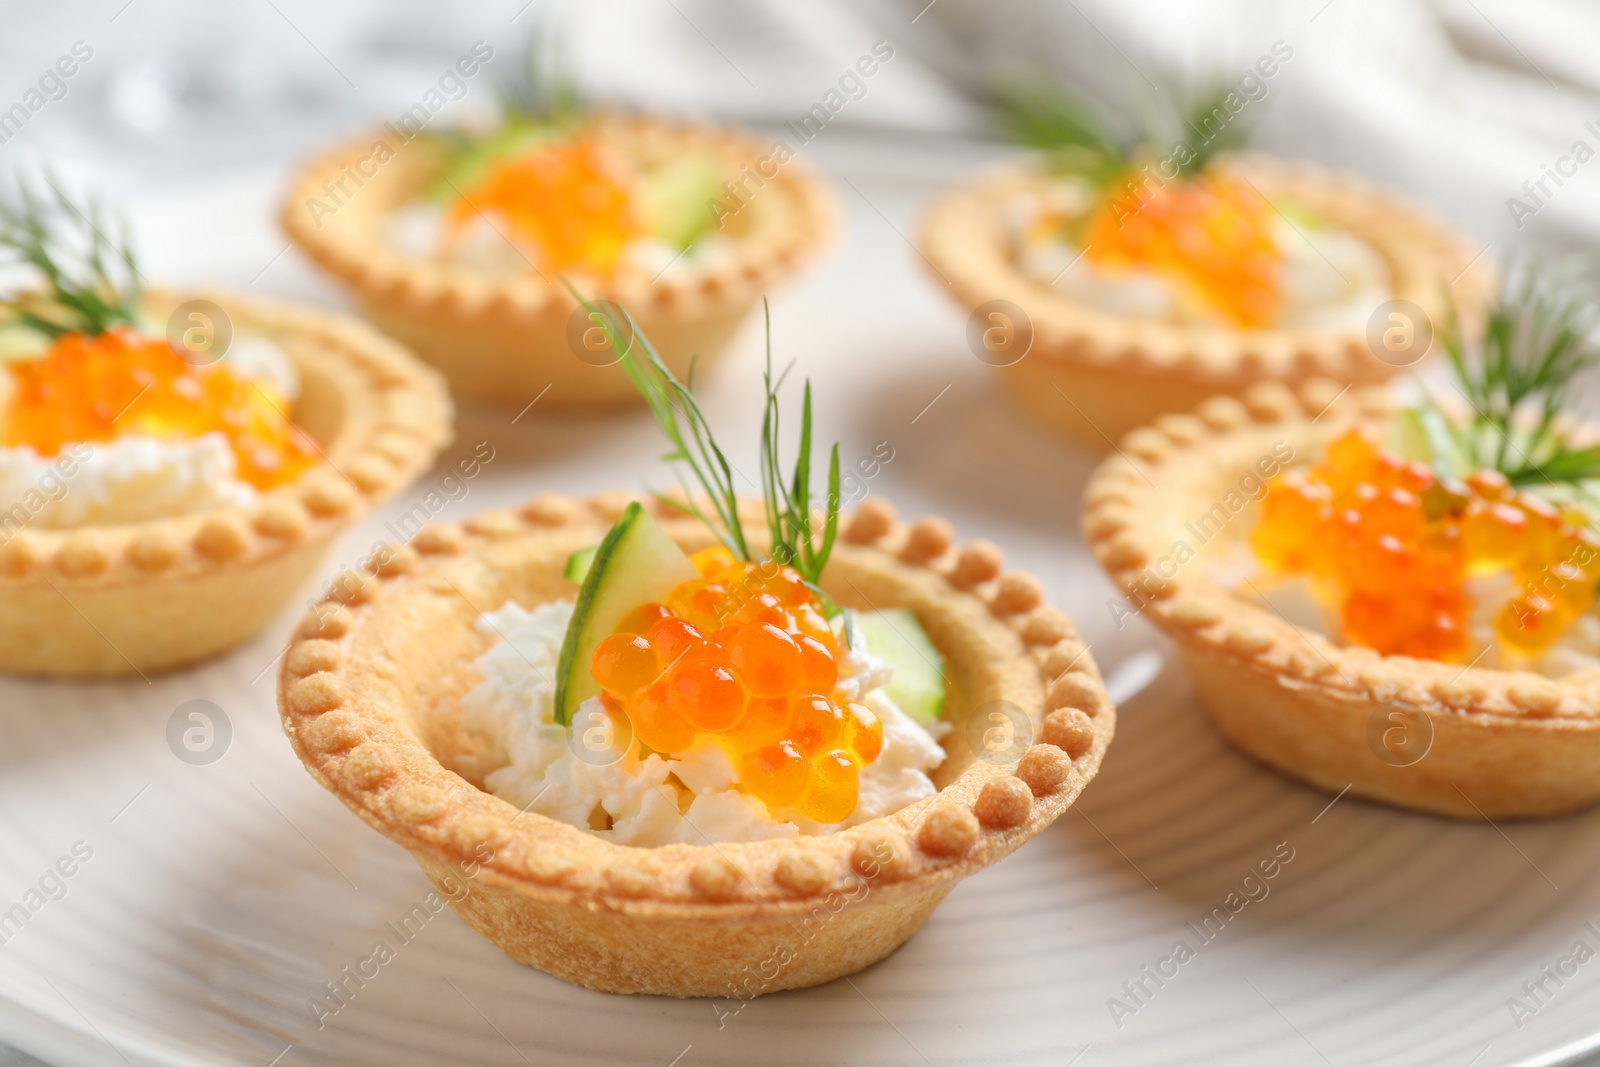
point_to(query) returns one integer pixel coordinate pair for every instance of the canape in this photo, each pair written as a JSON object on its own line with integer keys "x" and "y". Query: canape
{"x": 1394, "y": 601}
{"x": 174, "y": 465}
{"x": 456, "y": 243}
{"x": 697, "y": 745}
{"x": 1112, "y": 279}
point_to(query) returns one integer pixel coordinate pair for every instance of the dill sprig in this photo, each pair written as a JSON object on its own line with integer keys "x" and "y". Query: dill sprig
{"x": 1537, "y": 338}
{"x": 788, "y": 510}
{"x": 1100, "y": 144}
{"x": 544, "y": 90}
{"x": 787, "y": 501}
{"x": 539, "y": 101}
{"x": 91, "y": 280}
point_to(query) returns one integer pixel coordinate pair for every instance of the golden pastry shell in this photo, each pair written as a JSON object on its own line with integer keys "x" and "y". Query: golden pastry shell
{"x": 147, "y": 596}
{"x": 502, "y": 338}
{"x": 371, "y": 710}
{"x": 1503, "y": 743}
{"x": 1094, "y": 375}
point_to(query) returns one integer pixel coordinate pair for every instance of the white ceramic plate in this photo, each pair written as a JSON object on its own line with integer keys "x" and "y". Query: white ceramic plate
{"x": 220, "y": 898}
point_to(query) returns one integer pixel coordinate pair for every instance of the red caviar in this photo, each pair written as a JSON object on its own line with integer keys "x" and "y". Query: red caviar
{"x": 577, "y": 202}
{"x": 743, "y": 655}
{"x": 1392, "y": 546}
{"x": 1211, "y": 234}
{"x": 116, "y": 384}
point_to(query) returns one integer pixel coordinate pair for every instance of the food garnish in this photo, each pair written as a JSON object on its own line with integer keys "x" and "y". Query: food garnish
{"x": 731, "y": 643}
{"x": 1394, "y": 533}
{"x": 82, "y": 370}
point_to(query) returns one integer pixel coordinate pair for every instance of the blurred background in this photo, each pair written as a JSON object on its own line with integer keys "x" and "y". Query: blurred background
{"x": 185, "y": 109}
{"x": 1457, "y": 102}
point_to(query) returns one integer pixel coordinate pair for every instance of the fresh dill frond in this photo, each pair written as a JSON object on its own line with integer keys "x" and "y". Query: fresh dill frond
{"x": 543, "y": 90}
{"x": 787, "y": 501}
{"x": 539, "y": 101}
{"x": 82, "y": 255}
{"x": 1099, "y": 143}
{"x": 788, "y": 509}
{"x": 1213, "y": 129}
{"x": 1538, "y": 337}
{"x": 1075, "y": 138}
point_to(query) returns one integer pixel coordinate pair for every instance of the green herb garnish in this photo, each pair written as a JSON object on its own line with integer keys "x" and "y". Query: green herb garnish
{"x": 539, "y": 102}
{"x": 1099, "y": 144}
{"x": 1537, "y": 338}
{"x": 91, "y": 279}
{"x": 795, "y": 539}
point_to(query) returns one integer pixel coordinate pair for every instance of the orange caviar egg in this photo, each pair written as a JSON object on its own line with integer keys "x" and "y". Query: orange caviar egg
{"x": 1211, "y": 235}
{"x": 116, "y": 384}
{"x": 832, "y": 788}
{"x": 576, "y": 203}
{"x": 640, "y": 619}
{"x": 1392, "y": 547}
{"x": 705, "y": 694}
{"x": 656, "y": 724}
{"x": 767, "y": 659}
{"x": 864, "y": 731}
{"x": 714, "y": 562}
{"x": 743, "y": 655}
{"x": 672, "y": 637}
{"x": 819, "y": 671}
{"x": 1496, "y": 534}
{"x": 766, "y": 722}
{"x": 818, "y": 723}
{"x": 775, "y": 774}
{"x": 624, "y": 663}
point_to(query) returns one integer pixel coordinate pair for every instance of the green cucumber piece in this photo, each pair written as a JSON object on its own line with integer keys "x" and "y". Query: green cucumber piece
{"x": 918, "y": 684}
{"x": 1407, "y": 437}
{"x": 578, "y": 564}
{"x": 1424, "y": 435}
{"x": 636, "y": 563}
{"x": 22, "y": 342}
{"x": 679, "y": 199}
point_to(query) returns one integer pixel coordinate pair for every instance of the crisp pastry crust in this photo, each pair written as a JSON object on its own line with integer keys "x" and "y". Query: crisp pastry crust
{"x": 148, "y": 596}
{"x": 370, "y": 698}
{"x": 1092, "y": 376}
{"x": 503, "y": 338}
{"x": 1503, "y": 743}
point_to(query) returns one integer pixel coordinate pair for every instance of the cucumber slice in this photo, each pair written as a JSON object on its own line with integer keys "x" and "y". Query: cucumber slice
{"x": 679, "y": 197}
{"x": 1407, "y": 436}
{"x": 578, "y": 564}
{"x": 918, "y": 684}
{"x": 21, "y": 342}
{"x": 1424, "y": 435}
{"x": 635, "y": 564}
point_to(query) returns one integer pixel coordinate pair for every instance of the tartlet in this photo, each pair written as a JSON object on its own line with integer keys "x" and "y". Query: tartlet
{"x": 1092, "y": 375}
{"x": 369, "y": 695}
{"x": 504, "y": 337}
{"x": 1488, "y": 744}
{"x": 102, "y": 600}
